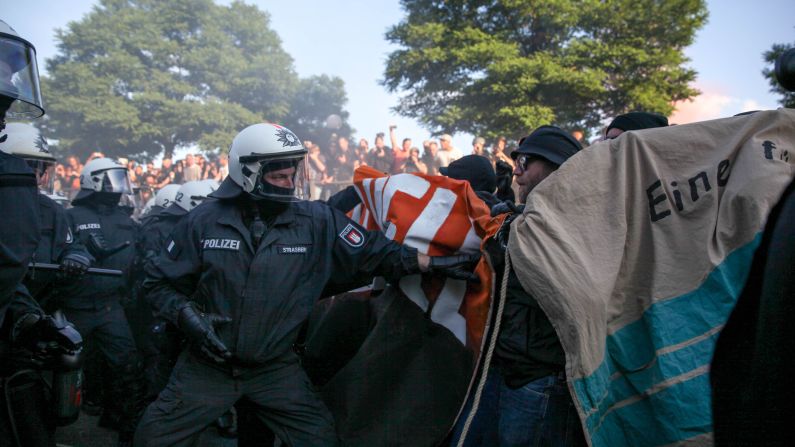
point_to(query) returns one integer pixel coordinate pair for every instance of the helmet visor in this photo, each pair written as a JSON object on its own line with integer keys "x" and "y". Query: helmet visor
{"x": 116, "y": 180}
{"x": 45, "y": 174}
{"x": 19, "y": 78}
{"x": 283, "y": 179}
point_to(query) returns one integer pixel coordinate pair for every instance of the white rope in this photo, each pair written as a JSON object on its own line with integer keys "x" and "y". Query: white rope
{"x": 489, "y": 352}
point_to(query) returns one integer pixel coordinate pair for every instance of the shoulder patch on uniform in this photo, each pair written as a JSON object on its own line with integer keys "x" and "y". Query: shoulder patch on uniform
{"x": 172, "y": 249}
{"x": 352, "y": 236}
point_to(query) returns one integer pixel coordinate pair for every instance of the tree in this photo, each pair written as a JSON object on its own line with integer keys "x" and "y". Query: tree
{"x": 770, "y": 56}
{"x": 320, "y": 96}
{"x": 491, "y": 67}
{"x": 139, "y": 77}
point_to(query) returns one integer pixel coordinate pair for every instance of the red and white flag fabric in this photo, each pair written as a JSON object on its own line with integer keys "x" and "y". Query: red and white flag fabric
{"x": 438, "y": 216}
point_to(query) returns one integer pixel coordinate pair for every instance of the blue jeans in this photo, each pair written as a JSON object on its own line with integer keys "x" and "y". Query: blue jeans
{"x": 483, "y": 428}
{"x": 540, "y": 413}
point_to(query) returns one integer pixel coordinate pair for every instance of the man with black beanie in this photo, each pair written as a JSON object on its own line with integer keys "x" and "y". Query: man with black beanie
{"x": 526, "y": 400}
{"x": 634, "y": 121}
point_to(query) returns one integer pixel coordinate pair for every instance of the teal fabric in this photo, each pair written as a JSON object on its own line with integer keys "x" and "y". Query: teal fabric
{"x": 623, "y": 398}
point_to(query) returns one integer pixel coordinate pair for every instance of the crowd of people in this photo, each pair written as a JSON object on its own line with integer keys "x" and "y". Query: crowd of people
{"x": 146, "y": 178}
{"x": 331, "y": 164}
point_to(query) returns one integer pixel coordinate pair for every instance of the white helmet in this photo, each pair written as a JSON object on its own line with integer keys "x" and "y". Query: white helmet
{"x": 166, "y": 195}
{"x": 19, "y": 76}
{"x": 148, "y": 207}
{"x": 212, "y": 182}
{"x": 192, "y": 194}
{"x": 26, "y": 142}
{"x": 60, "y": 200}
{"x": 265, "y": 148}
{"x": 105, "y": 175}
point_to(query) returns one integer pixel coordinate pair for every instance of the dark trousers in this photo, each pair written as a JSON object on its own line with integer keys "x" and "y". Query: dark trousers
{"x": 541, "y": 413}
{"x": 30, "y": 407}
{"x": 108, "y": 329}
{"x": 279, "y": 394}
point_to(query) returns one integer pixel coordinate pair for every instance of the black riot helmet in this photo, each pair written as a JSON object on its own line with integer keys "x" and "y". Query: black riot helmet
{"x": 20, "y": 93}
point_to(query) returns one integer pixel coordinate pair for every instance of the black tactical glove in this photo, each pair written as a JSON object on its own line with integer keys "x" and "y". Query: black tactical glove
{"x": 457, "y": 266}
{"x": 200, "y": 329}
{"x": 74, "y": 266}
{"x": 99, "y": 248}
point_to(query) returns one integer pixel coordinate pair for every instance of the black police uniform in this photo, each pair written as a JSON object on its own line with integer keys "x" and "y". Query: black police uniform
{"x": 19, "y": 235}
{"x": 268, "y": 292}
{"x": 28, "y": 395}
{"x": 162, "y": 343}
{"x": 157, "y": 226}
{"x": 19, "y": 224}
{"x": 93, "y": 304}
{"x": 57, "y": 242}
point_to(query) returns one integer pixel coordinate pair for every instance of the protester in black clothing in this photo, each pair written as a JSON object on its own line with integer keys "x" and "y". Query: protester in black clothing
{"x": 753, "y": 367}
{"x": 504, "y": 173}
{"x": 478, "y": 172}
{"x": 526, "y": 401}
{"x": 634, "y": 121}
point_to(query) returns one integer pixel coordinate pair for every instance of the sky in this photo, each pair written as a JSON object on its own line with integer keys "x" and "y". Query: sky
{"x": 346, "y": 39}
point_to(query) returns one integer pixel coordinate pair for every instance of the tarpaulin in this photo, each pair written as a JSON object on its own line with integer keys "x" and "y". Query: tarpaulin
{"x": 637, "y": 249}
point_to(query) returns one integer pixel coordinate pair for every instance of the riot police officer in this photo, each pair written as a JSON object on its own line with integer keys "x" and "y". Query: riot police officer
{"x": 162, "y": 200}
{"x": 162, "y": 343}
{"x": 56, "y": 244}
{"x": 20, "y": 97}
{"x": 28, "y": 335}
{"x": 239, "y": 275}
{"x": 94, "y": 304}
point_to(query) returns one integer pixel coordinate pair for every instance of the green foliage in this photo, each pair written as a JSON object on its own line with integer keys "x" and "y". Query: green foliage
{"x": 138, "y": 77}
{"x": 507, "y": 66}
{"x": 787, "y": 98}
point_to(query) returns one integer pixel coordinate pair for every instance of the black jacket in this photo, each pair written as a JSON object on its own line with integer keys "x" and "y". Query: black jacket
{"x": 307, "y": 250}
{"x": 92, "y": 291}
{"x": 19, "y": 225}
{"x": 155, "y": 229}
{"x": 56, "y": 242}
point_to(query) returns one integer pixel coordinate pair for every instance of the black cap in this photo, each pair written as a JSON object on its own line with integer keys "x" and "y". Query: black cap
{"x": 549, "y": 142}
{"x": 475, "y": 169}
{"x": 638, "y": 120}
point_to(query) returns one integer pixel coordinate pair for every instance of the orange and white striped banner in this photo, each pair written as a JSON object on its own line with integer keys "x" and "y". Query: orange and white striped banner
{"x": 438, "y": 216}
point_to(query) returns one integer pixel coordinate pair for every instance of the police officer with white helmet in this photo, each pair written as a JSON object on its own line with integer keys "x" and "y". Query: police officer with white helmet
{"x": 56, "y": 244}
{"x": 159, "y": 347}
{"x": 239, "y": 275}
{"x": 94, "y": 304}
